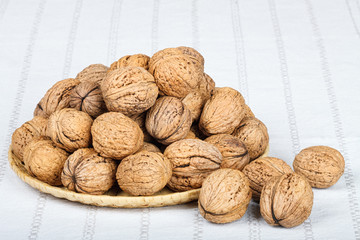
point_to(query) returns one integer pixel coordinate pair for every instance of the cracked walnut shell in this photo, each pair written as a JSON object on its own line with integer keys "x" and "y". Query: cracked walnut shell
{"x": 44, "y": 160}
{"x": 85, "y": 171}
{"x": 70, "y": 129}
{"x": 261, "y": 170}
{"x": 322, "y": 166}
{"x": 224, "y": 196}
{"x": 93, "y": 73}
{"x": 136, "y": 60}
{"x": 116, "y": 135}
{"x": 169, "y": 120}
{"x": 129, "y": 90}
{"x": 143, "y": 173}
{"x": 192, "y": 161}
{"x": 286, "y": 200}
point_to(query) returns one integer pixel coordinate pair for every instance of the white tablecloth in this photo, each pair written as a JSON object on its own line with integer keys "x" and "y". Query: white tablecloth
{"x": 296, "y": 62}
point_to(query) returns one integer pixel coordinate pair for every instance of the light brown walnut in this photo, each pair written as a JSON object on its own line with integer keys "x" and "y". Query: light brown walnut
{"x": 191, "y": 135}
{"x": 56, "y": 98}
{"x": 286, "y": 200}
{"x": 136, "y": 60}
{"x": 116, "y": 135}
{"x": 129, "y": 90}
{"x": 24, "y": 134}
{"x": 254, "y": 135}
{"x": 85, "y": 171}
{"x": 261, "y": 170}
{"x": 248, "y": 112}
{"x": 93, "y": 73}
{"x": 194, "y": 101}
{"x": 140, "y": 120}
{"x": 322, "y": 166}
{"x": 233, "y": 150}
{"x": 224, "y": 196}
{"x": 193, "y": 54}
{"x": 206, "y": 86}
{"x": 70, "y": 129}
{"x": 44, "y": 160}
{"x": 149, "y": 147}
{"x": 192, "y": 161}
{"x": 143, "y": 173}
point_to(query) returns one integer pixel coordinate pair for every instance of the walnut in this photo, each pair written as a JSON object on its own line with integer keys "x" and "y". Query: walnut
{"x": 129, "y": 90}
{"x": 143, "y": 173}
{"x": 248, "y": 112}
{"x": 169, "y": 120}
{"x": 140, "y": 120}
{"x": 176, "y": 74}
{"x": 261, "y": 170}
{"x": 206, "y": 86}
{"x": 286, "y": 200}
{"x": 254, "y": 135}
{"x": 223, "y": 112}
{"x": 233, "y": 150}
{"x": 85, "y": 171}
{"x": 116, "y": 135}
{"x": 56, "y": 98}
{"x": 149, "y": 147}
{"x": 93, "y": 73}
{"x": 24, "y": 134}
{"x": 322, "y": 166}
{"x": 192, "y": 160}
{"x": 87, "y": 97}
{"x": 194, "y": 101}
{"x": 191, "y": 135}
{"x": 44, "y": 160}
{"x": 224, "y": 196}
{"x": 136, "y": 60}
{"x": 193, "y": 54}
{"x": 70, "y": 129}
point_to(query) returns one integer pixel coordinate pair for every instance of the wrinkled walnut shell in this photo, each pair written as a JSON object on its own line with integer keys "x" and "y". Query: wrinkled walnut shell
{"x": 261, "y": 170}
{"x": 224, "y": 196}
{"x": 149, "y": 147}
{"x": 140, "y": 120}
{"x": 116, "y": 135}
{"x": 194, "y": 101}
{"x": 85, "y": 171}
{"x": 93, "y": 73}
{"x": 136, "y": 60}
{"x": 143, "y": 173}
{"x": 286, "y": 200}
{"x": 322, "y": 166}
{"x": 193, "y": 54}
{"x": 248, "y": 112}
{"x": 192, "y": 161}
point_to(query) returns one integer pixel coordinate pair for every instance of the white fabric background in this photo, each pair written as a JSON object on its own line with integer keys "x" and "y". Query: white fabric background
{"x": 296, "y": 62}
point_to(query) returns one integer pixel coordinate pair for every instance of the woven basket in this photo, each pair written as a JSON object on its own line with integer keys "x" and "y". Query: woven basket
{"x": 113, "y": 198}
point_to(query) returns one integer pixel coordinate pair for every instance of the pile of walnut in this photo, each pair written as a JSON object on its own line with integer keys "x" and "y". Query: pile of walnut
{"x": 155, "y": 122}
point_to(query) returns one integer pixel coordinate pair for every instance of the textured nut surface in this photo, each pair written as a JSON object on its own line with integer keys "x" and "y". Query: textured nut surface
{"x": 223, "y": 112}
{"x": 143, "y": 173}
{"x": 56, "y": 98}
{"x": 129, "y": 90}
{"x": 169, "y": 120}
{"x": 44, "y": 160}
{"x": 87, "y": 97}
{"x": 233, "y": 150}
{"x": 193, "y": 54}
{"x": 85, "y": 171}
{"x": 261, "y": 170}
{"x": 322, "y": 166}
{"x": 206, "y": 86}
{"x": 192, "y": 161}
{"x": 136, "y": 60}
{"x": 248, "y": 112}
{"x": 70, "y": 129}
{"x": 93, "y": 73}
{"x": 254, "y": 135}
{"x": 116, "y": 135}
{"x": 286, "y": 200}
{"x": 224, "y": 196}
{"x": 194, "y": 101}
{"x": 149, "y": 147}
{"x": 140, "y": 120}
{"x": 24, "y": 134}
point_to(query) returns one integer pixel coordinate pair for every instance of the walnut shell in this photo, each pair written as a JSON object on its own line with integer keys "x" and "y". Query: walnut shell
{"x": 286, "y": 200}
{"x": 254, "y": 135}
{"x": 116, "y": 135}
{"x": 168, "y": 121}
{"x": 24, "y": 134}
{"x": 149, "y": 147}
{"x": 192, "y": 161}
{"x": 261, "y": 170}
{"x": 194, "y": 101}
{"x": 233, "y": 150}
{"x": 143, "y": 173}
{"x": 70, "y": 129}
{"x": 206, "y": 86}
{"x": 136, "y": 60}
{"x": 322, "y": 166}
{"x": 193, "y": 54}
{"x": 191, "y": 135}
{"x": 87, "y": 97}
{"x": 140, "y": 120}
{"x": 85, "y": 171}
{"x": 248, "y": 112}
{"x": 93, "y": 73}
{"x": 224, "y": 196}
{"x": 56, "y": 98}
{"x": 44, "y": 160}
{"x": 129, "y": 90}
{"x": 223, "y": 112}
